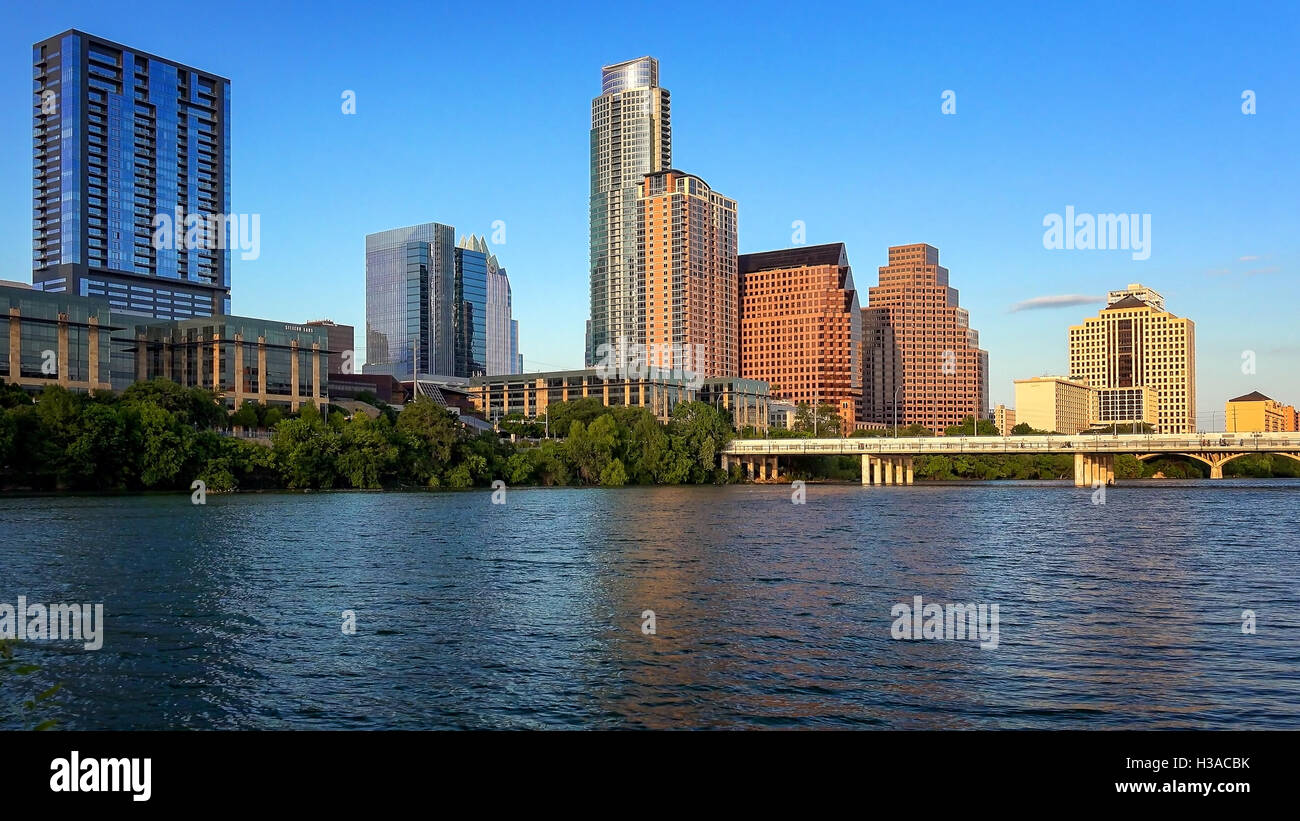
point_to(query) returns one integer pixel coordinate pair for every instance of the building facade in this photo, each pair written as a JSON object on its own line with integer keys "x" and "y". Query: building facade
{"x": 1005, "y": 419}
{"x": 1120, "y": 407}
{"x": 687, "y": 300}
{"x": 1256, "y": 413}
{"x": 342, "y": 341}
{"x": 801, "y": 327}
{"x": 410, "y": 294}
{"x": 502, "y": 330}
{"x": 1134, "y": 342}
{"x": 80, "y": 344}
{"x": 529, "y": 394}
{"x": 746, "y": 400}
{"x": 469, "y": 309}
{"x": 631, "y": 136}
{"x": 1053, "y": 404}
{"x": 923, "y": 362}
{"x": 131, "y": 179}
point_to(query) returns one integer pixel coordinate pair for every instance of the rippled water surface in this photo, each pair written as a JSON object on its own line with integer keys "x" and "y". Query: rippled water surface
{"x": 768, "y": 614}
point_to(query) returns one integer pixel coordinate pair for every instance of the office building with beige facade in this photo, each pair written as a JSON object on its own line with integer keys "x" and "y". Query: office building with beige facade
{"x": 1134, "y": 342}
{"x": 1004, "y": 419}
{"x": 1120, "y": 408}
{"x": 800, "y": 327}
{"x": 1256, "y": 413}
{"x": 1053, "y": 404}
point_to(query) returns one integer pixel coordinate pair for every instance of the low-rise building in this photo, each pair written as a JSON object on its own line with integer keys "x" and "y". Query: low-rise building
{"x": 1005, "y": 419}
{"x": 1256, "y": 413}
{"x": 745, "y": 399}
{"x": 1053, "y": 403}
{"x": 529, "y": 394}
{"x": 81, "y": 344}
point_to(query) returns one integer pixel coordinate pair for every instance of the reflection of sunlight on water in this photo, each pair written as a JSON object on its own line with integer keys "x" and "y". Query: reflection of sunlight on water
{"x": 528, "y": 614}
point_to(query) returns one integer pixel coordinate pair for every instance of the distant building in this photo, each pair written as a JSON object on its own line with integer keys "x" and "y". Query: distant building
{"x": 410, "y": 296}
{"x": 342, "y": 345}
{"x": 1005, "y": 419}
{"x": 132, "y": 153}
{"x": 930, "y": 356}
{"x": 781, "y": 414}
{"x": 529, "y": 394}
{"x": 1256, "y": 413}
{"x": 1120, "y": 407}
{"x": 1053, "y": 403}
{"x": 1134, "y": 342}
{"x": 746, "y": 400}
{"x": 801, "y": 327}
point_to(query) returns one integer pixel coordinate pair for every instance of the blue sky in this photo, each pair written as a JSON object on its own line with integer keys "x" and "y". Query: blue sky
{"x": 829, "y": 114}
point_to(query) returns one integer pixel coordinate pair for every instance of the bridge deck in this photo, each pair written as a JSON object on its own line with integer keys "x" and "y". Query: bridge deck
{"x": 934, "y": 445}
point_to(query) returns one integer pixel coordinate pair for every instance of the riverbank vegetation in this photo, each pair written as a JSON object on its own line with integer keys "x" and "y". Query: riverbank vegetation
{"x": 159, "y": 436}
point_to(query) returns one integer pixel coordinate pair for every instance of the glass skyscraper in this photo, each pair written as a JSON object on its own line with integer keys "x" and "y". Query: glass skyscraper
{"x": 631, "y": 136}
{"x": 121, "y": 140}
{"x": 471, "y": 310}
{"x": 410, "y": 294}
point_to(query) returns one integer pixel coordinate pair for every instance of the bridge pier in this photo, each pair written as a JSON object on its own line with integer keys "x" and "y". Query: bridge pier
{"x": 1093, "y": 469}
{"x": 886, "y": 470}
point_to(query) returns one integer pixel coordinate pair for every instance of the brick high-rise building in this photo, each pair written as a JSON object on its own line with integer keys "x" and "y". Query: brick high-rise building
{"x": 1135, "y": 342}
{"x": 686, "y": 267}
{"x": 801, "y": 326}
{"x": 918, "y": 346}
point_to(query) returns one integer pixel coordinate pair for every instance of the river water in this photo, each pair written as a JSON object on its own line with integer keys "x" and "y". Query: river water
{"x": 766, "y": 613}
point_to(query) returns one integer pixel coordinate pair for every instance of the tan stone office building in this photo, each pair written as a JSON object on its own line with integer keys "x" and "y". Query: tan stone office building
{"x": 1053, "y": 403}
{"x": 1135, "y": 342}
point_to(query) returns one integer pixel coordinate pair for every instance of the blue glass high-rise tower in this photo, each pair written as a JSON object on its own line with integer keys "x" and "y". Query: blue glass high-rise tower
{"x": 131, "y": 179}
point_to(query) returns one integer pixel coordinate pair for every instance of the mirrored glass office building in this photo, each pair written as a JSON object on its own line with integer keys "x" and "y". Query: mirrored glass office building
{"x": 410, "y": 301}
{"x": 131, "y": 178}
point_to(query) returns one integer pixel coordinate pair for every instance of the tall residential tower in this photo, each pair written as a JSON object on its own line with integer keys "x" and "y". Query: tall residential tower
{"x": 631, "y": 136}
{"x": 129, "y": 148}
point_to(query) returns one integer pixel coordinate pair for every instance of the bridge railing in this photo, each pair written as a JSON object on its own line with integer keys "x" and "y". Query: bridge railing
{"x": 1122, "y": 443}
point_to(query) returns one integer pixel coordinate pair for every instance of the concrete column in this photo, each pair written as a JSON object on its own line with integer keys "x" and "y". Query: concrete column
{"x": 92, "y": 343}
{"x": 15, "y": 345}
{"x": 141, "y": 359}
{"x": 261, "y": 369}
{"x": 776, "y": 468}
{"x": 293, "y": 375}
{"x": 762, "y": 469}
{"x": 1078, "y": 470}
{"x": 866, "y": 469}
{"x": 889, "y": 470}
{"x": 216, "y": 363}
{"x": 724, "y": 463}
{"x": 1216, "y": 471}
{"x": 238, "y": 387}
{"x": 316, "y": 393}
{"x": 64, "y": 373}
{"x": 909, "y": 470}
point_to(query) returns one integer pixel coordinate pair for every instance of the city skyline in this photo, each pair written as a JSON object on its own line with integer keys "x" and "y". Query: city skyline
{"x": 986, "y": 228}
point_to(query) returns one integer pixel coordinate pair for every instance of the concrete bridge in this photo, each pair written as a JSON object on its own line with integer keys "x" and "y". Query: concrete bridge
{"x": 888, "y": 461}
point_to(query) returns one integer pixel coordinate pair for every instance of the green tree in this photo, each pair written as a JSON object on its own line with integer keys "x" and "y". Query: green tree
{"x": 427, "y": 433}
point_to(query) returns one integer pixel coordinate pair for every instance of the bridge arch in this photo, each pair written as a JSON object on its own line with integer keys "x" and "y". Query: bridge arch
{"x": 1215, "y": 460}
